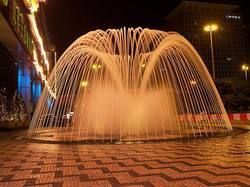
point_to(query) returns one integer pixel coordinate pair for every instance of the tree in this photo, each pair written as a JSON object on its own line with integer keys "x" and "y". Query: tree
{"x": 18, "y": 109}
{"x": 235, "y": 94}
{"x": 3, "y": 105}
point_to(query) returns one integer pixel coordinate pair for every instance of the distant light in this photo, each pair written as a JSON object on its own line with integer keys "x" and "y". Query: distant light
{"x": 143, "y": 65}
{"x": 229, "y": 59}
{"x": 193, "y": 82}
{"x": 84, "y": 84}
{"x": 69, "y": 115}
{"x": 96, "y": 66}
{"x": 233, "y": 17}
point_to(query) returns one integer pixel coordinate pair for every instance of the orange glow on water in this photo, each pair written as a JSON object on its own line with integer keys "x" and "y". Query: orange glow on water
{"x": 129, "y": 85}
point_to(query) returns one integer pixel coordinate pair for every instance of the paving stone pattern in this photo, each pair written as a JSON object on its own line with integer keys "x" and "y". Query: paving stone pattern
{"x": 223, "y": 161}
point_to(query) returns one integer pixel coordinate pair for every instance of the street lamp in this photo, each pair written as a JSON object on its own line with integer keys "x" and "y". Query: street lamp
{"x": 211, "y": 28}
{"x": 245, "y": 68}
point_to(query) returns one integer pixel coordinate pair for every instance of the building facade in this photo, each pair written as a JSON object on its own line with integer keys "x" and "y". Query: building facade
{"x": 22, "y": 50}
{"x": 189, "y": 19}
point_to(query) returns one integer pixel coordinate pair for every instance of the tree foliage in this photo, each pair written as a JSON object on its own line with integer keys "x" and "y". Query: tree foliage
{"x": 3, "y": 105}
{"x": 12, "y": 108}
{"x": 235, "y": 94}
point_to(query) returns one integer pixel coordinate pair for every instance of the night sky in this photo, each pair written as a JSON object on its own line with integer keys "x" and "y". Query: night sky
{"x": 66, "y": 20}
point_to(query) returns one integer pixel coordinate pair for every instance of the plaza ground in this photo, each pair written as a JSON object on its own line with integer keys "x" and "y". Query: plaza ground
{"x": 216, "y": 161}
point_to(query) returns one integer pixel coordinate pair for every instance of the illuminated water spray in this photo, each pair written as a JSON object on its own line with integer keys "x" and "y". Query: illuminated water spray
{"x": 129, "y": 85}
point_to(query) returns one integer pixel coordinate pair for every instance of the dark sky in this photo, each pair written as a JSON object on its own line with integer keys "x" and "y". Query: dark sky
{"x": 69, "y": 19}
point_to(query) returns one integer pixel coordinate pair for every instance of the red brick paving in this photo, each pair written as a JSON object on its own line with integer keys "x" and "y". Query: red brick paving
{"x": 223, "y": 161}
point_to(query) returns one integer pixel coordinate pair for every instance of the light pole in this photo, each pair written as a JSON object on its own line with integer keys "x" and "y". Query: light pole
{"x": 245, "y": 68}
{"x": 211, "y": 28}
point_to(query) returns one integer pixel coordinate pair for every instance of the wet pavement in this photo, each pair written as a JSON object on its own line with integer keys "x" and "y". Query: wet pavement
{"x": 217, "y": 161}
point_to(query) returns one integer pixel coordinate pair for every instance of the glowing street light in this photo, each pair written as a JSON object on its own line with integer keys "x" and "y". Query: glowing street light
{"x": 245, "y": 68}
{"x": 211, "y": 28}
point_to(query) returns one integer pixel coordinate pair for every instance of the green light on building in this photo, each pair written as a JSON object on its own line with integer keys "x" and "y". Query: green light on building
{"x": 4, "y": 2}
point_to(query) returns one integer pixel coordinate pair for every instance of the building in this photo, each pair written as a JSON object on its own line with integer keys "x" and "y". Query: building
{"x": 189, "y": 19}
{"x": 24, "y": 61}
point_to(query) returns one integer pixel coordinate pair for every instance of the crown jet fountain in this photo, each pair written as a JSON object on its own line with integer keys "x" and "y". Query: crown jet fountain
{"x": 129, "y": 85}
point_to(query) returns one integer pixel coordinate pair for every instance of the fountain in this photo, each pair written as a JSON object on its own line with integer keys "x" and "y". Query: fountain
{"x": 129, "y": 85}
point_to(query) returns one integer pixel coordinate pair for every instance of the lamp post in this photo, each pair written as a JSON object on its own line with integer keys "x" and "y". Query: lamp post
{"x": 211, "y": 28}
{"x": 245, "y": 68}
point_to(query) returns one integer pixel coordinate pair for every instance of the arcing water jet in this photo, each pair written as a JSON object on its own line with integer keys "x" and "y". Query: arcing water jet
{"x": 129, "y": 85}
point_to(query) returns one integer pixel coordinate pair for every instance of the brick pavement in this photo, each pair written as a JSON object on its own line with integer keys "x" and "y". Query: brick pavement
{"x": 223, "y": 161}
